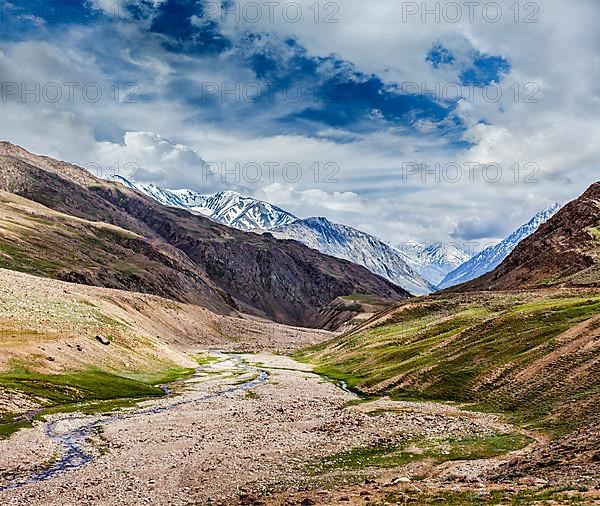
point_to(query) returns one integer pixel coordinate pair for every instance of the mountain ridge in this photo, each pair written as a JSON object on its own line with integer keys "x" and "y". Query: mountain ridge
{"x": 281, "y": 280}
{"x": 563, "y": 251}
{"x": 492, "y": 256}
{"x": 356, "y": 246}
{"x": 228, "y": 207}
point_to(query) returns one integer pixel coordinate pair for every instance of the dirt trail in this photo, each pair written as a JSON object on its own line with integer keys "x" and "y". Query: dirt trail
{"x": 246, "y": 426}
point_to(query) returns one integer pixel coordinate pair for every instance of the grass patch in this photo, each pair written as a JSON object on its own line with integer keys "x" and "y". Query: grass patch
{"x": 76, "y": 387}
{"x": 9, "y": 428}
{"x": 391, "y": 456}
{"x": 243, "y": 381}
{"x": 89, "y": 391}
{"x": 360, "y": 298}
{"x": 562, "y": 495}
{"x": 160, "y": 377}
{"x": 205, "y": 359}
{"x": 358, "y": 402}
{"x": 19, "y": 259}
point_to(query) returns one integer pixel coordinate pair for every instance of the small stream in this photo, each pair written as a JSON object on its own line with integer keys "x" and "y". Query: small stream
{"x": 344, "y": 386}
{"x": 73, "y": 441}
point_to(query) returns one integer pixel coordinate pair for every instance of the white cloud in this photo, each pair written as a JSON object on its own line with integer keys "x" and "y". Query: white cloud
{"x": 559, "y": 133}
{"x": 149, "y": 157}
{"x": 313, "y": 202}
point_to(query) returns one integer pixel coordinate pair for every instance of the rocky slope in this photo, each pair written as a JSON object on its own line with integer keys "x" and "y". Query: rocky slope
{"x": 37, "y": 240}
{"x": 51, "y": 325}
{"x": 282, "y": 280}
{"x": 563, "y": 251}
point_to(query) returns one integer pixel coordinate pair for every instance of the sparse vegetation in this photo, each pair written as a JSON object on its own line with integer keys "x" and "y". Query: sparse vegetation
{"x": 395, "y": 455}
{"x": 89, "y": 391}
{"x": 555, "y": 495}
{"x": 205, "y": 359}
{"x": 476, "y": 349}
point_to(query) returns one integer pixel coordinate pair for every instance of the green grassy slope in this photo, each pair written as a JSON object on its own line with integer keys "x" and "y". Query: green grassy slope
{"x": 532, "y": 355}
{"x": 89, "y": 391}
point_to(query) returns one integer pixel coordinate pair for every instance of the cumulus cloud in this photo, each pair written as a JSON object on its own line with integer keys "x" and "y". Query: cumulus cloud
{"x": 315, "y": 202}
{"x": 149, "y": 157}
{"x": 474, "y": 229}
{"x": 171, "y": 130}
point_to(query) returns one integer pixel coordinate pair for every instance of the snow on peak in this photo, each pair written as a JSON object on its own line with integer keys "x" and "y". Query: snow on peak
{"x": 358, "y": 247}
{"x": 491, "y": 257}
{"x": 435, "y": 261}
{"x": 228, "y": 207}
{"x": 244, "y": 213}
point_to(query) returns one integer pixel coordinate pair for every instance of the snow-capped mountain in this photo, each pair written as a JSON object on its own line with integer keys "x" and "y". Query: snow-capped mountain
{"x": 489, "y": 258}
{"x": 414, "y": 266}
{"x": 241, "y": 212}
{"x": 227, "y": 207}
{"x": 434, "y": 262}
{"x": 173, "y": 198}
{"x": 358, "y": 247}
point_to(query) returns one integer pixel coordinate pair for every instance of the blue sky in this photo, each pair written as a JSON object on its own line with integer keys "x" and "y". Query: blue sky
{"x": 357, "y": 112}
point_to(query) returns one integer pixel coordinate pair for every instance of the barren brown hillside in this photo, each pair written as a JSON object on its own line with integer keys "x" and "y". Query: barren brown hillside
{"x": 200, "y": 261}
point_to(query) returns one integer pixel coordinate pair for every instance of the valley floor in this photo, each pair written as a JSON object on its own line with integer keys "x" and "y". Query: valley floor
{"x": 264, "y": 429}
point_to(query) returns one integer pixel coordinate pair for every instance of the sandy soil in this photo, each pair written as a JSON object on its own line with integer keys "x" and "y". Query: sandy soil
{"x": 220, "y": 440}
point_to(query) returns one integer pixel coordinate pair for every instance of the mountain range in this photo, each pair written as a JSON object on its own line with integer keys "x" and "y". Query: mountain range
{"x": 67, "y": 224}
{"x": 417, "y": 269}
{"x": 489, "y": 258}
{"x": 358, "y": 247}
{"x": 435, "y": 261}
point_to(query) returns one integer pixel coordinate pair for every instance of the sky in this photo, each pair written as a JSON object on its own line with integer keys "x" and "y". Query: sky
{"x": 426, "y": 121}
